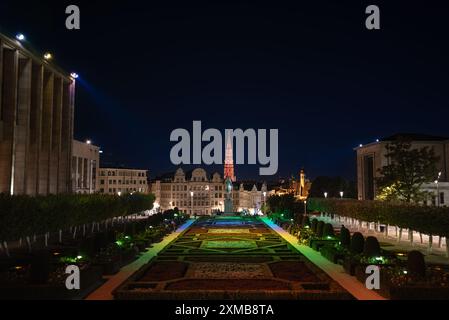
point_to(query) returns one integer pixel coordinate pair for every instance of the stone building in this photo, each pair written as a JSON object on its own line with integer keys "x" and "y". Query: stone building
{"x": 197, "y": 192}
{"x": 85, "y": 161}
{"x": 371, "y": 158}
{"x": 121, "y": 180}
{"x": 36, "y": 122}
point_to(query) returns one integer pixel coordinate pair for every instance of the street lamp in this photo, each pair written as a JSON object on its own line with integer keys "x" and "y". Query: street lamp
{"x": 341, "y": 194}
{"x": 191, "y": 202}
{"x": 325, "y": 194}
{"x": 438, "y": 188}
{"x": 305, "y": 206}
{"x": 264, "y": 200}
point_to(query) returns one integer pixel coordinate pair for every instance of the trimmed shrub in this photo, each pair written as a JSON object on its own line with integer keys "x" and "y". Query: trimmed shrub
{"x": 357, "y": 243}
{"x": 404, "y": 215}
{"x": 345, "y": 237}
{"x": 371, "y": 247}
{"x": 416, "y": 265}
{"x": 319, "y": 229}
{"x": 314, "y": 224}
{"x": 328, "y": 230}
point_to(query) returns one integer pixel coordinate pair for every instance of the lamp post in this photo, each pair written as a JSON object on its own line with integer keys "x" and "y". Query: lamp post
{"x": 305, "y": 207}
{"x": 438, "y": 188}
{"x": 341, "y": 194}
{"x": 325, "y": 194}
{"x": 264, "y": 200}
{"x": 191, "y": 202}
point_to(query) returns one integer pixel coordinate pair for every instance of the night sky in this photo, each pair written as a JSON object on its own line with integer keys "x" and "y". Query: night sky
{"x": 310, "y": 69}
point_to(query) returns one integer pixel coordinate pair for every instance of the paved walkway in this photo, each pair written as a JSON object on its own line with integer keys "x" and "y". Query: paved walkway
{"x": 335, "y": 271}
{"x": 105, "y": 291}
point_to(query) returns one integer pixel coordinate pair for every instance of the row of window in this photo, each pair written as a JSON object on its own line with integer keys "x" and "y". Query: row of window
{"x": 143, "y": 182}
{"x": 122, "y": 173}
{"x": 116, "y": 190}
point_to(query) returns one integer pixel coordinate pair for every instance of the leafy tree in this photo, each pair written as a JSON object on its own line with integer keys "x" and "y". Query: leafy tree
{"x": 286, "y": 204}
{"x": 408, "y": 169}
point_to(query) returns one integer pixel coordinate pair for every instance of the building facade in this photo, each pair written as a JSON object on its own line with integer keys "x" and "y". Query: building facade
{"x": 196, "y": 192}
{"x": 372, "y": 157}
{"x": 36, "y": 123}
{"x": 85, "y": 161}
{"x": 120, "y": 181}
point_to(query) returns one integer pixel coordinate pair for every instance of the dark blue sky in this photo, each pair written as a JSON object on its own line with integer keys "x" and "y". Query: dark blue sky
{"x": 312, "y": 70}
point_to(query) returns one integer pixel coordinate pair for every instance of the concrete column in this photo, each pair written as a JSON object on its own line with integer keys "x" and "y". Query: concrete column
{"x": 46, "y": 125}
{"x": 65, "y": 157}
{"x": 55, "y": 136}
{"x": 34, "y": 140}
{"x": 7, "y": 118}
{"x": 22, "y": 124}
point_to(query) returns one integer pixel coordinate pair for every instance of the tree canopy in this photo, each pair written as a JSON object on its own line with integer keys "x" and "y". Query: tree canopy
{"x": 407, "y": 170}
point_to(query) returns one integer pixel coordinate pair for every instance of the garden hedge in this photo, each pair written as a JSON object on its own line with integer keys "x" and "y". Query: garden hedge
{"x": 425, "y": 219}
{"x": 22, "y": 216}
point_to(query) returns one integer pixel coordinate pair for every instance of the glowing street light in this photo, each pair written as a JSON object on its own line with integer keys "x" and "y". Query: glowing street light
{"x": 20, "y": 37}
{"x": 48, "y": 56}
{"x": 191, "y": 201}
{"x": 74, "y": 75}
{"x": 325, "y": 194}
{"x": 341, "y": 194}
{"x": 438, "y": 188}
{"x": 305, "y": 206}
{"x": 119, "y": 193}
{"x": 89, "y": 141}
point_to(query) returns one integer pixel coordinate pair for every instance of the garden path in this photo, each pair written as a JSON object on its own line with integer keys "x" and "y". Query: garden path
{"x": 335, "y": 271}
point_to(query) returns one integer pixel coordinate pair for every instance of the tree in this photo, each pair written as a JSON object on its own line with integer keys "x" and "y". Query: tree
{"x": 333, "y": 186}
{"x": 285, "y": 204}
{"x": 407, "y": 171}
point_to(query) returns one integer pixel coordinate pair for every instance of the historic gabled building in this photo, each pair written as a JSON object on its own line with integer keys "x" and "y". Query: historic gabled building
{"x": 197, "y": 192}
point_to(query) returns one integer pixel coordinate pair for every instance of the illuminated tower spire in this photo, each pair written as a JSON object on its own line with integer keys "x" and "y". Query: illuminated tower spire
{"x": 229, "y": 160}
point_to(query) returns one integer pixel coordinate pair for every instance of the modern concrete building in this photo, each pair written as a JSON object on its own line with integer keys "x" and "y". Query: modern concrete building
{"x": 36, "y": 122}
{"x": 371, "y": 158}
{"x": 119, "y": 181}
{"x": 85, "y": 162}
{"x": 197, "y": 192}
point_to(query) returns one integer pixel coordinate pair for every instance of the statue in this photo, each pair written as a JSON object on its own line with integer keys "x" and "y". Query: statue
{"x": 228, "y": 205}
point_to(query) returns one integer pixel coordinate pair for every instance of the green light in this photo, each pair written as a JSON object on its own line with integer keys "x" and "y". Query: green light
{"x": 79, "y": 257}
{"x": 126, "y": 237}
{"x": 119, "y": 243}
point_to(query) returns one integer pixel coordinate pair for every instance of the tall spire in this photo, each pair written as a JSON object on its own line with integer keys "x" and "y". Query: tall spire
{"x": 229, "y": 160}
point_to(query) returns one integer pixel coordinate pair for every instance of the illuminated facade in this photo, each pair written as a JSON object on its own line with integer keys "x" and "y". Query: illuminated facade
{"x": 36, "y": 123}
{"x": 120, "y": 181}
{"x": 195, "y": 192}
{"x": 85, "y": 161}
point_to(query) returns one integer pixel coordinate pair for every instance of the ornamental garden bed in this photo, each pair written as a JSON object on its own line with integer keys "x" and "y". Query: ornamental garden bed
{"x": 161, "y": 271}
{"x": 294, "y": 271}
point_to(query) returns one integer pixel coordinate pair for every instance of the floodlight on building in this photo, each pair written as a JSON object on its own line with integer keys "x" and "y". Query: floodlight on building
{"x": 20, "y": 37}
{"x": 74, "y": 75}
{"x": 48, "y": 56}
